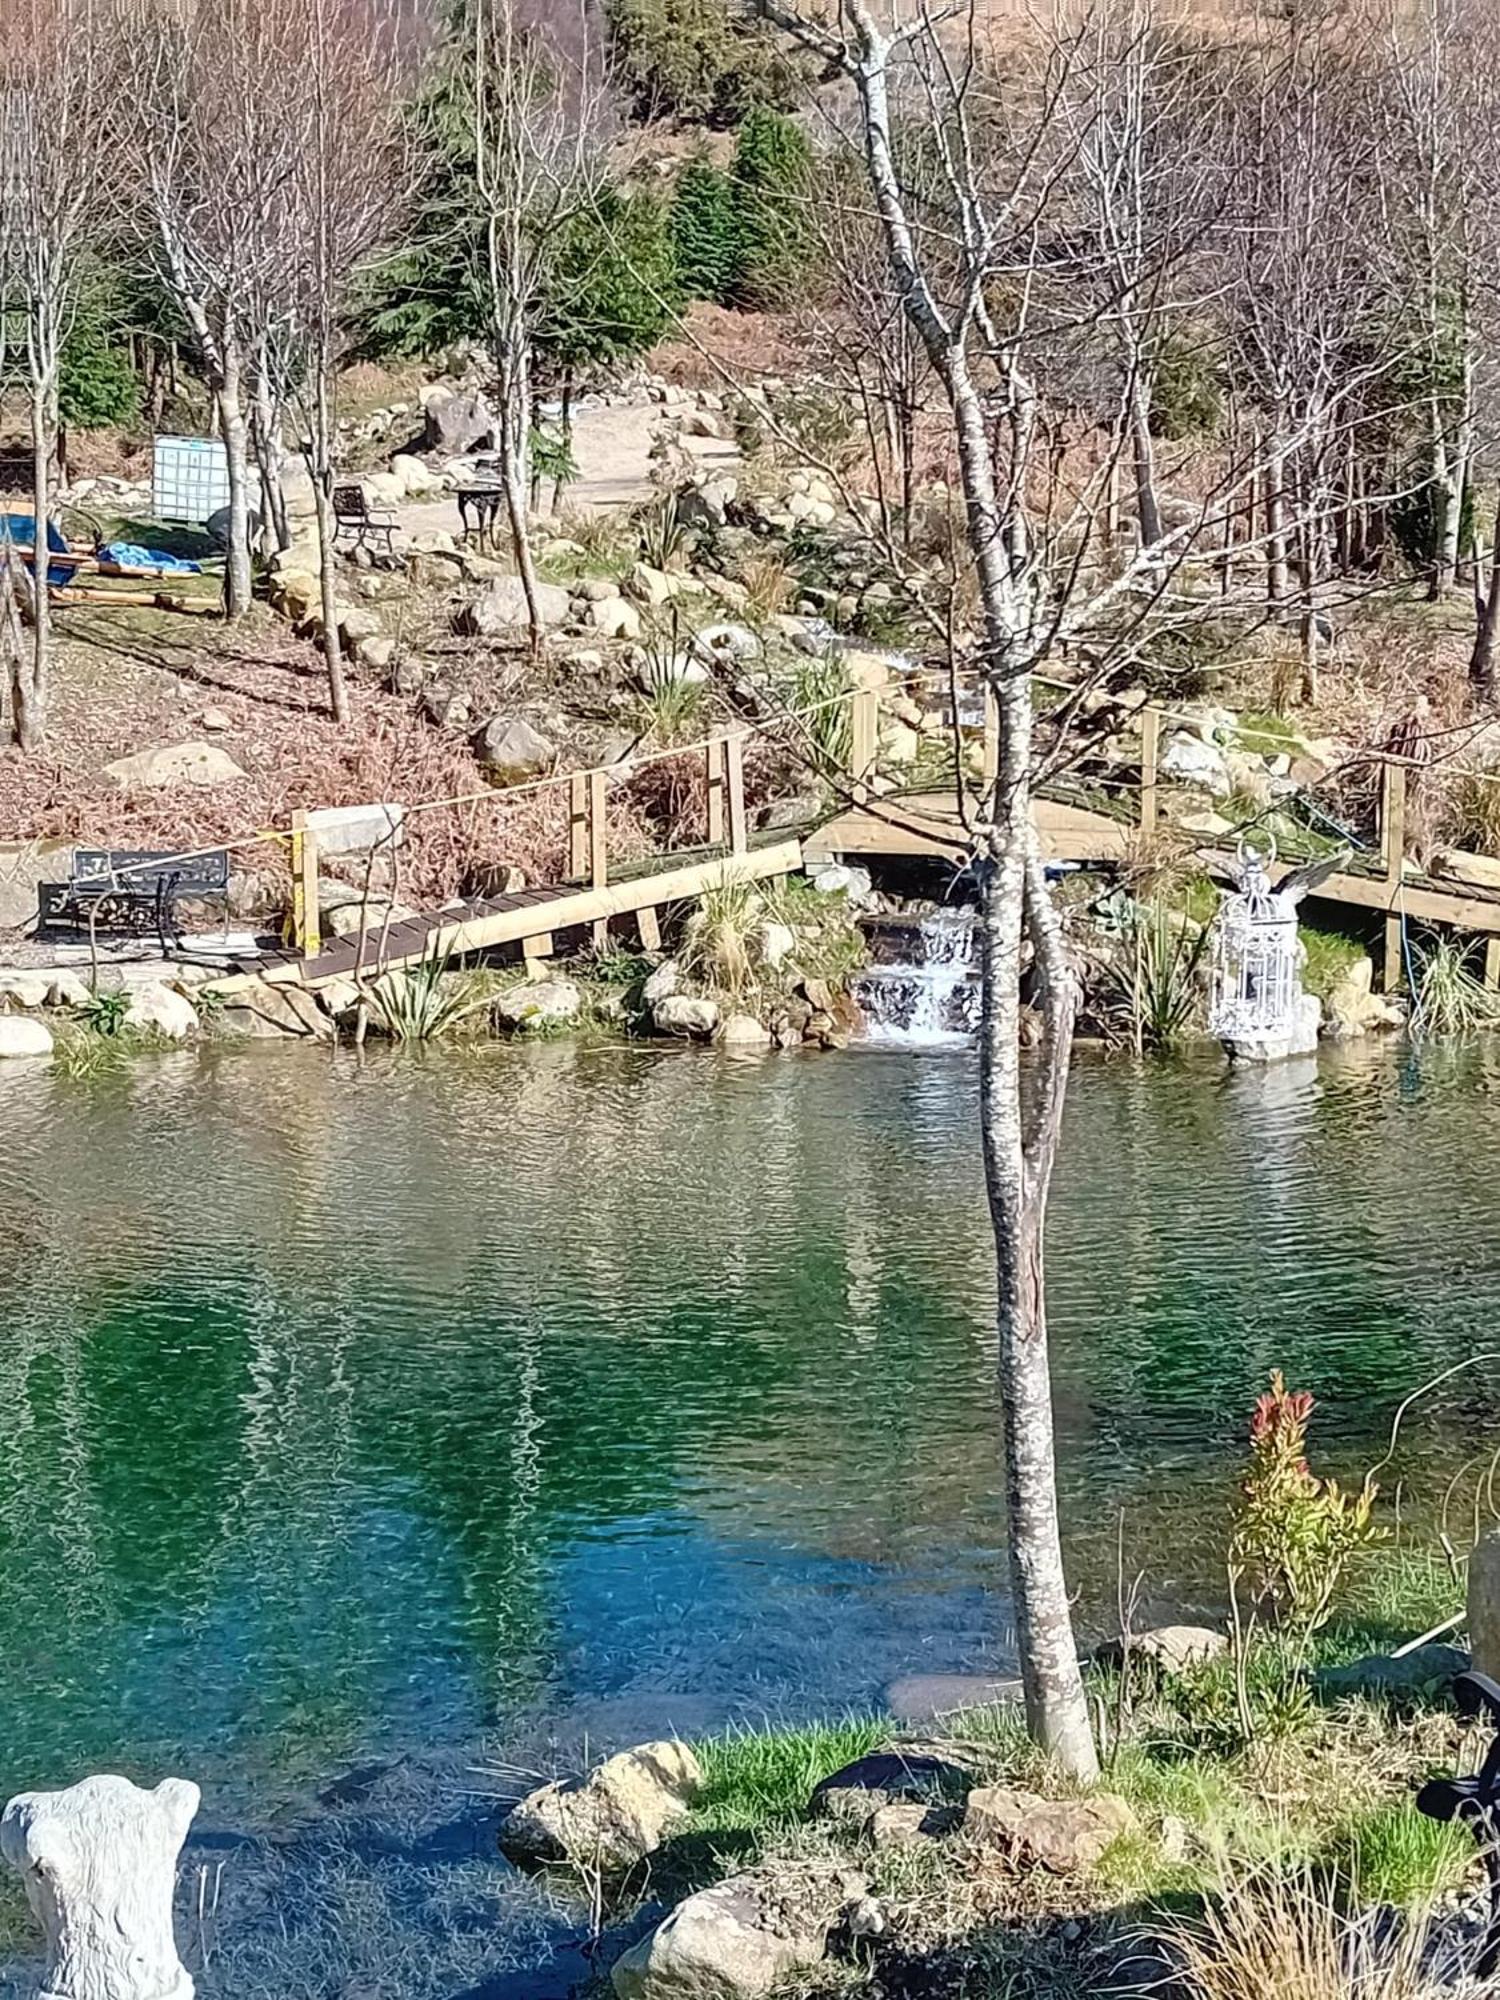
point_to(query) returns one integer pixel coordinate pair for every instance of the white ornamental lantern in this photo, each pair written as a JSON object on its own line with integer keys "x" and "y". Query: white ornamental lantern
{"x": 1256, "y": 1003}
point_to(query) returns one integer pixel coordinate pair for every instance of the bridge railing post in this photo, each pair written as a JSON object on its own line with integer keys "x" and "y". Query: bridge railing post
{"x": 598, "y": 831}
{"x": 307, "y": 917}
{"x": 1392, "y": 852}
{"x": 713, "y": 758}
{"x": 864, "y": 737}
{"x": 578, "y": 826}
{"x": 734, "y": 788}
{"x": 1150, "y": 760}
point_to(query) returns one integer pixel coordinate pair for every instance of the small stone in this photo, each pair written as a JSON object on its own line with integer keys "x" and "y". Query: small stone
{"x": 170, "y": 764}
{"x": 216, "y": 719}
{"x": 663, "y": 981}
{"x": 735, "y": 1941}
{"x": 501, "y": 607}
{"x": 512, "y": 748}
{"x": 539, "y": 1003}
{"x": 904, "y": 1823}
{"x": 1354, "y": 1008}
{"x": 777, "y": 943}
{"x": 1175, "y": 1648}
{"x": 614, "y": 1817}
{"x": 685, "y": 1014}
{"x": 614, "y": 618}
{"x": 21, "y": 1037}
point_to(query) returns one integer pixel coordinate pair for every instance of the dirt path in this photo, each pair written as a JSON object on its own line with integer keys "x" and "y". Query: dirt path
{"x": 613, "y": 448}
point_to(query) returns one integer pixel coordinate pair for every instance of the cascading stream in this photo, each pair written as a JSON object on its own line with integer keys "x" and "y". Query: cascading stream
{"x": 923, "y": 987}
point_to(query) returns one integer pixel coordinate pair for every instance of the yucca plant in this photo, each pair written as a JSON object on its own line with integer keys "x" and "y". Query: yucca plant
{"x": 1153, "y": 983}
{"x": 815, "y": 695}
{"x": 422, "y": 1003}
{"x": 1450, "y": 998}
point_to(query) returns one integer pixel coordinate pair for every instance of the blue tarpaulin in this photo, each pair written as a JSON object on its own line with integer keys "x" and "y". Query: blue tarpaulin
{"x": 21, "y": 529}
{"x": 132, "y": 556}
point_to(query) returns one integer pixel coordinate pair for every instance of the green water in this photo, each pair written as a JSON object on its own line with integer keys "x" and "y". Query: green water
{"x": 354, "y": 1412}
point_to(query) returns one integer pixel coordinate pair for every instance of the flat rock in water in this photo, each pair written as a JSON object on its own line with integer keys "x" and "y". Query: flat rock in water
{"x": 921, "y": 1697}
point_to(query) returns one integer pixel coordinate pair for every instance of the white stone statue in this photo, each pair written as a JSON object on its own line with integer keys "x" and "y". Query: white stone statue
{"x": 1257, "y": 1006}
{"x": 99, "y": 1861}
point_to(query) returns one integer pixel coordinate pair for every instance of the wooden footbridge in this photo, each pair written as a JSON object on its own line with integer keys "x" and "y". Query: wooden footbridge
{"x": 876, "y": 821}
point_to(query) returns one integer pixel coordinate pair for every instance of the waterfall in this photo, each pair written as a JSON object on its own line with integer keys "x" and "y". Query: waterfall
{"x": 923, "y": 986}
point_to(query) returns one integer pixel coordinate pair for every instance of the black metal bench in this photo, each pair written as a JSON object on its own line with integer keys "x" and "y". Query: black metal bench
{"x": 137, "y": 893}
{"x": 353, "y": 515}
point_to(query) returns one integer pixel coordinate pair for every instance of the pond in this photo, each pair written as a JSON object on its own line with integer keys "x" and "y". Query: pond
{"x": 358, "y": 1415}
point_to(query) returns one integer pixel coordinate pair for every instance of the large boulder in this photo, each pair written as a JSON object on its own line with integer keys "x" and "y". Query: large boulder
{"x": 1187, "y": 760}
{"x": 614, "y": 1817}
{"x": 419, "y": 480}
{"x": 739, "y": 1940}
{"x": 685, "y": 1014}
{"x": 501, "y": 607}
{"x": 511, "y": 748}
{"x": 24, "y": 990}
{"x": 1173, "y": 1648}
{"x": 1064, "y": 1836}
{"x": 158, "y": 1010}
{"x": 172, "y": 764}
{"x": 458, "y": 423}
{"x": 267, "y": 1012}
{"x": 20, "y": 1037}
{"x": 1353, "y": 1008}
{"x": 539, "y": 1003}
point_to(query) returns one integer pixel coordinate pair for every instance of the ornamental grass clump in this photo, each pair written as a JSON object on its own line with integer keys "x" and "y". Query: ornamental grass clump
{"x": 1295, "y": 1534}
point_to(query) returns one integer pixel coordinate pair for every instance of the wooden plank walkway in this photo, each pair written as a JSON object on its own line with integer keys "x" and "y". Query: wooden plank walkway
{"x": 513, "y": 919}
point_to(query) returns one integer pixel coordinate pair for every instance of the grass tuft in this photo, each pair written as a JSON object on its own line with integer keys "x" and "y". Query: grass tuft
{"x": 762, "y": 1779}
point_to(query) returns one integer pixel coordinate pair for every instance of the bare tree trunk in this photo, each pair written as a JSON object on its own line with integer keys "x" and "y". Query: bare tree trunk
{"x": 1487, "y": 617}
{"x": 322, "y": 484}
{"x": 30, "y": 688}
{"x": 512, "y": 432}
{"x": 1463, "y": 451}
{"x": 1276, "y": 557}
{"x": 266, "y": 437}
{"x": 1143, "y": 456}
{"x": 233, "y": 428}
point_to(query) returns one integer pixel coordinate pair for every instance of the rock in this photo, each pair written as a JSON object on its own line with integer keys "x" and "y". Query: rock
{"x": 445, "y": 707}
{"x": 501, "y": 607}
{"x": 1354, "y": 1009}
{"x": 458, "y": 423}
{"x": 296, "y": 594}
{"x": 706, "y": 506}
{"x": 663, "y": 981}
{"x": 743, "y": 1031}
{"x": 701, "y": 424}
{"x": 539, "y": 1003}
{"x": 660, "y": 670}
{"x": 1174, "y": 1648}
{"x": 1382, "y": 1673}
{"x": 267, "y": 1012}
{"x": 99, "y": 1862}
{"x": 726, "y": 643}
{"x": 68, "y": 990}
{"x": 345, "y": 912}
{"x": 1064, "y": 1836}
{"x": 685, "y": 1014}
{"x": 161, "y": 1011}
{"x": 831, "y": 878}
{"x": 884, "y": 1777}
{"x": 24, "y": 989}
{"x": 615, "y": 618}
{"x": 735, "y": 1941}
{"x": 655, "y": 587}
{"x": 359, "y": 830}
{"x": 777, "y": 943}
{"x": 869, "y": 673}
{"x": 21, "y": 1037}
{"x": 377, "y": 652}
{"x": 925, "y": 1697}
{"x": 1249, "y": 776}
{"x": 169, "y": 764}
{"x": 355, "y": 625}
{"x": 614, "y": 1817}
{"x": 215, "y": 719}
{"x": 24, "y": 864}
{"x": 511, "y": 748}
{"x": 902, "y": 1824}
{"x": 418, "y": 481}
{"x": 1188, "y": 760}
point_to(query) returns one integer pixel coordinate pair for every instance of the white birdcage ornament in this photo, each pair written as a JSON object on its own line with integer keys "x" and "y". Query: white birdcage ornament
{"x": 1255, "y": 995}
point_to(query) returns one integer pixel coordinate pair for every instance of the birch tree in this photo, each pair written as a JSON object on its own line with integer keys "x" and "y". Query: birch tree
{"x": 53, "y": 154}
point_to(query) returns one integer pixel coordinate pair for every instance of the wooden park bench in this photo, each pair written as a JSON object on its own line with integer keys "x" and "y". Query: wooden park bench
{"x": 137, "y": 893}
{"x": 353, "y": 515}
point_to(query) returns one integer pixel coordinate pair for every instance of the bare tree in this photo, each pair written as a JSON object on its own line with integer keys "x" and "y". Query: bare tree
{"x": 203, "y": 117}
{"x": 349, "y": 183}
{"x": 52, "y": 168}
{"x": 532, "y": 117}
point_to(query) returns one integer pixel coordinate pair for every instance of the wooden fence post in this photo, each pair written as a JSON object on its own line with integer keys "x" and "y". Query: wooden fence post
{"x": 1393, "y": 850}
{"x": 307, "y": 924}
{"x": 1150, "y": 755}
{"x": 578, "y": 826}
{"x": 714, "y": 761}
{"x": 864, "y": 737}
{"x": 598, "y": 849}
{"x": 734, "y": 787}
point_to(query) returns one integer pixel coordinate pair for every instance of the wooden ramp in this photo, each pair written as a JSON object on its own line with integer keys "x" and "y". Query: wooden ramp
{"x": 519, "y": 918}
{"x": 927, "y": 823}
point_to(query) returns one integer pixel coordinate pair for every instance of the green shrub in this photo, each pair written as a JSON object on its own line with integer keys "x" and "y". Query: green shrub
{"x": 695, "y": 60}
{"x": 770, "y": 175}
{"x": 1186, "y": 400}
{"x": 705, "y": 232}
